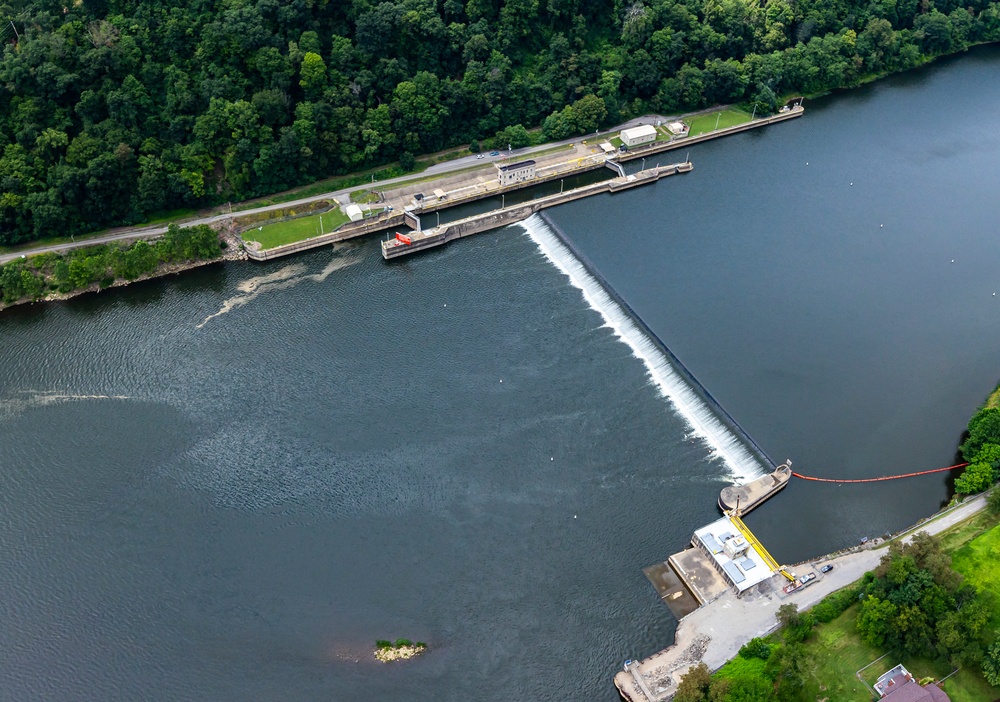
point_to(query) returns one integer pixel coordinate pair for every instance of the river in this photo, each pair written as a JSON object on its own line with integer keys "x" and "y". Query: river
{"x": 229, "y": 484}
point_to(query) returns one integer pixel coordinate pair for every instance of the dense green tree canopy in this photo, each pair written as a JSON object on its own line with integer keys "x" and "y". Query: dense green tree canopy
{"x": 110, "y": 110}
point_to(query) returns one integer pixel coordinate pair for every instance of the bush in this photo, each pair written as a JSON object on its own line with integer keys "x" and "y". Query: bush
{"x": 991, "y": 665}
{"x": 835, "y": 604}
{"x": 756, "y": 648}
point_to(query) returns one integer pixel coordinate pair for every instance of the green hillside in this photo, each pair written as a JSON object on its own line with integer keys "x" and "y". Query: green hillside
{"x": 112, "y": 110}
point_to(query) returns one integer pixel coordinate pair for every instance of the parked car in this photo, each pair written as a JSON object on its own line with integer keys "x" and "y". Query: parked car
{"x": 481, "y": 156}
{"x": 494, "y": 153}
{"x": 826, "y": 569}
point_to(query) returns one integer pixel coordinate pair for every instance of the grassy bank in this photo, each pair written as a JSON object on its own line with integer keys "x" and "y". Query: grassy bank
{"x": 293, "y": 230}
{"x": 729, "y": 117}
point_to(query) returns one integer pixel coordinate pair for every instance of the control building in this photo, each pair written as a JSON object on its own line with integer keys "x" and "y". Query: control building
{"x": 519, "y": 172}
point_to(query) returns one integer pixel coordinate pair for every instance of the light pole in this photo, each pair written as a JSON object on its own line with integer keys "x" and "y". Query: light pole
{"x": 321, "y": 224}
{"x": 643, "y": 164}
{"x": 561, "y": 185}
{"x": 754, "y": 112}
{"x": 717, "y": 121}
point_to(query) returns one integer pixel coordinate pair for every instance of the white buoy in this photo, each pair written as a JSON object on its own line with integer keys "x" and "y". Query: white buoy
{"x": 446, "y": 304}
{"x": 881, "y": 225}
{"x": 952, "y": 260}
{"x": 807, "y": 163}
{"x": 501, "y": 380}
{"x": 852, "y": 183}
{"x": 553, "y": 458}
{"x": 574, "y": 516}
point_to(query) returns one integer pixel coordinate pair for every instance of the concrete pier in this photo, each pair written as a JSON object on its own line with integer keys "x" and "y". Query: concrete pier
{"x": 744, "y": 498}
{"x": 421, "y": 240}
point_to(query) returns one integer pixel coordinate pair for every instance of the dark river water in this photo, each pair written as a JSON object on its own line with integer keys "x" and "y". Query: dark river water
{"x": 227, "y": 485}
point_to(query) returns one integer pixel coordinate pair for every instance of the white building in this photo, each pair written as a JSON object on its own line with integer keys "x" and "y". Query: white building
{"x": 515, "y": 172}
{"x": 735, "y": 559}
{"x": 677, "y": 128}
{"x": 354, "y": 212}
{"x": 642, "y": 134}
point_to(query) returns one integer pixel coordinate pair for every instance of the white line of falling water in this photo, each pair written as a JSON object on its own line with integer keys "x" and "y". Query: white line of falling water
{"x": 720, "y": 440}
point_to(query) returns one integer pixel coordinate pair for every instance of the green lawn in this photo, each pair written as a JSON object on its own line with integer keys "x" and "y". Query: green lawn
{"x": 835, "y": 651}
{"x": 978, "y": 562}
{"x": 280, "y": 233}
{"x": 702, "y": 124}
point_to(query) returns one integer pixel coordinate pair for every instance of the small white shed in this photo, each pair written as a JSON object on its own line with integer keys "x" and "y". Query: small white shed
{"x": 354, "y": 212}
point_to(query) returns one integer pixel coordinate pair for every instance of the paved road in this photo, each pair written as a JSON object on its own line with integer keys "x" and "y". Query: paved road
{"x": 715, "y": 632}
{"x": 149, "y": 232}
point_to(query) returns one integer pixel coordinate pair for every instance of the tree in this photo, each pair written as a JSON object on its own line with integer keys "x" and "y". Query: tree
{"x": 694, "y": 684}
{"x": 975, "y": 478}
{"x": 984, "y": 427}
{"x": 796, "y": 625}
{"x": 312, "y": 75}
{"x": 516, "y": 137}
{"x": 991, "y": 665}
{"x": 875, "y": 620}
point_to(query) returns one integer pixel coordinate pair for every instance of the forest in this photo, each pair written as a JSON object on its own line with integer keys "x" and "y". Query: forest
{"x": 111, "y": 111}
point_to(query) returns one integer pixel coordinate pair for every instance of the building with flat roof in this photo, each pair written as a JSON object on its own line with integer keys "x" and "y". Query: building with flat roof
{"x": 732, "y": 555}
{"x": 643, "y": 134}
{"x": 519, "y": 172}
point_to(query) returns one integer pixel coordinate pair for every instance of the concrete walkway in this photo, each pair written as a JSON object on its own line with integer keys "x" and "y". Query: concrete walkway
{"x": 342, "y": 195}
{"x": 715, "y": 632}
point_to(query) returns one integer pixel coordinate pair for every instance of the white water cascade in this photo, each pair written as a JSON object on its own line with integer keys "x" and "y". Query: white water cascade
{"x": 721, "y": 442}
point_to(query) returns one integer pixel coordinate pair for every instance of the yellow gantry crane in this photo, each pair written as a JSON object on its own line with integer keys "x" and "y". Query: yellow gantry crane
{"x": 758, "y": 546}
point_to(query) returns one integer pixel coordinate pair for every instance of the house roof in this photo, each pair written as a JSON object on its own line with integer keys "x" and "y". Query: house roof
{"x": 912, "y": 692}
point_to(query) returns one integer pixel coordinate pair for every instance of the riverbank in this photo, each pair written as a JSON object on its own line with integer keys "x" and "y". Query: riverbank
{"x": 714, "y": 633}
{"x": 55, "y": 277}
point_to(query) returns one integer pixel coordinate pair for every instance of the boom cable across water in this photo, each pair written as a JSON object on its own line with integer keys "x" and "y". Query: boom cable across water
{"x": 877, "y": 480}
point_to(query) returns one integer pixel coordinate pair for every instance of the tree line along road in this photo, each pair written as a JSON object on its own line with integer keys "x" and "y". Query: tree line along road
{"x": 154, "y": 231}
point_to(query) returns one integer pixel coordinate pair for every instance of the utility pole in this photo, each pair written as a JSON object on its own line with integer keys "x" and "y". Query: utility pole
{"x": 15, "y": 31}
{"x": 717, "y": 121}
{"x": 754, "y": 112}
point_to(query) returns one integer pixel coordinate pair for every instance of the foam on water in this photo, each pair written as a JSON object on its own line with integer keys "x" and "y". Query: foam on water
{"x": 705, "y": 425}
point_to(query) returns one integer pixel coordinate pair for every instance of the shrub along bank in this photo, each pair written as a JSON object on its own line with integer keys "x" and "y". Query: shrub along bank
{"x": 981, "y": 448}
{"x": 55, "y": 274}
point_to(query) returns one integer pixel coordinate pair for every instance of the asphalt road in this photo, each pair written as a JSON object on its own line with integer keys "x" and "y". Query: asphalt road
{"x": 151, "y": 232}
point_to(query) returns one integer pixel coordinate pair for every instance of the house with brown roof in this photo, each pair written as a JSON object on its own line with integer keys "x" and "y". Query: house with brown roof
{"x": 898, "y": 685}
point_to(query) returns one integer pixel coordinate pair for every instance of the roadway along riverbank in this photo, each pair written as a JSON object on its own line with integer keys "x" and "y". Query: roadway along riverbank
{"x": 343, "y": 194}
{"x": 715, "y": 632}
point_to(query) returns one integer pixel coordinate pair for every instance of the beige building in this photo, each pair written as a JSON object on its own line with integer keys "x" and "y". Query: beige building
{"x": 519, "y": 172}
{"x": 642, "y": 134}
